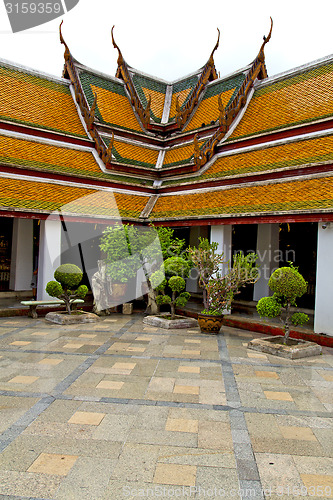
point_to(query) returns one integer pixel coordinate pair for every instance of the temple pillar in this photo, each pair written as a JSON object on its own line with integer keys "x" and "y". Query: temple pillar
{"x": 323, "y": 320}
{"x": 196, "y": 232}
{"x": 21, "y": 266}
{"x": 222, "y": 235}
{"x": 49, "y": 255}
{"x": 268, "y": 257}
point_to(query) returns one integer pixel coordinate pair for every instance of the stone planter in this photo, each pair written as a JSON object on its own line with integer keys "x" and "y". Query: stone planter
{"x": 77, "y": 317}
{"x": 210, "y": 323}
{"x": 295, "y": 348}
{"x": 179, "y": 322}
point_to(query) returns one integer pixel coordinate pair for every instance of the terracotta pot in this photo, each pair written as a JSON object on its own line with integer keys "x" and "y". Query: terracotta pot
{"x": 210, "y": 323}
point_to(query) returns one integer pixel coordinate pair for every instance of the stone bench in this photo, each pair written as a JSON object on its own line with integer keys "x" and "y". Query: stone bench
{"x": 33, "y": 304}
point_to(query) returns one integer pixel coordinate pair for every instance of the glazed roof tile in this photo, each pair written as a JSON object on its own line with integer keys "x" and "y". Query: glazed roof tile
{"x": 55, "y": 159}
{"x": 208, "y": 109}
{"x": 19, "y": 194}
{"x": 293, "y": 100}
{"x": 146, "y": 87}
{"x": 260, "y": 199}
{"x": 133, "y": 154}
{"x": 38, "y": 102}
{"x": 182, "y": 89}
{"x": 113, "y": 106}
{"x": 180, "y": 155}
{"x": 291, "y": 154}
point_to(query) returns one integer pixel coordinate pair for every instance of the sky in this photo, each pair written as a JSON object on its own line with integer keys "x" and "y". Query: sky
{"x": 170, "y": 39}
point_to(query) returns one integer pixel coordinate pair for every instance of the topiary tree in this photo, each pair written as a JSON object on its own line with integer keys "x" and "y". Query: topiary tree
{"x": 287, "y": 284}
{"x": 179, "y": 269}
{"x": 68, "y": 277}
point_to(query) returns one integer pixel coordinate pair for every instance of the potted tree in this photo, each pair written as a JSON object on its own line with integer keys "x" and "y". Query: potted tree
{"x": 288, "y": 285}
{"x": 169, "y": 285}
{"x": 66, "y": 288}
{"x": 219, "y": 289}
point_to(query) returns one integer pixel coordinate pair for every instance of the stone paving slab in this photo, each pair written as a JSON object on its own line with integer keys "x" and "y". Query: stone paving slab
{"x": 120, "y": 409}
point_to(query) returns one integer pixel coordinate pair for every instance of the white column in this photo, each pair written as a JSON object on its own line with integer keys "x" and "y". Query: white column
{"x": 196, "y": 232}
{"x": 323, "y": 321}
{"x": 268, "y": 257}
{"x": 49, "y": 255}
{"x": 21, "y": 266}
{"x": 223, "y": 236}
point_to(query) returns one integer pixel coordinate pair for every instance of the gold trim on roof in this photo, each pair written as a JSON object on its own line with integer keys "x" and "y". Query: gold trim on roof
{"x": 228, "y": 115}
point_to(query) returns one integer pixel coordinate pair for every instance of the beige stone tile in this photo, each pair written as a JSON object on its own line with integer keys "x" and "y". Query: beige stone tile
{"x": 190, "y": 352}
{"x": 186, "y": 389}
{"x": 182, "y": 475}
{"x": 161, "y": 384}
{"x": 87, "y": 336}
{"x": 39, "y": 334}
{"x": 192, "y": 341}
{"x": 189, "y": 369}
{"x": 20, "y": 342}
{"x": 119, "y": 346}
{"x": 320, "y": 483}
{"x": 181, "y": 425}
{"x": 149, "y": 329}
{"x": 48, "y": 463}
{"x": 327, "y": 377}
{"x": 303, "y": 433}
{"x": 215, "y": 436}
{"x": 110, "y": 384}
{"x": 256, "y": 355}
{"x": 135, "y": 349}
{"x": 86, "y": 418}
{"x": 23, "y": 379}
{"x": 72, "y": 345}
{"x": 124, "y": 366}
{"x": 279, "y": 396}
{"x": 50, "y": 361}
{"x": 267, "y": 374}
{"x": 143, "y": 338}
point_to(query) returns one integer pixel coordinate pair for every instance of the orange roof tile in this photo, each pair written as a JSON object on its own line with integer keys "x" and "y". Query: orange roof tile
{"x": 291, "y": 196}
{"x": 299, "y": 99}
{"x": 208, "y": 110}
{"x": 38, "y": 102}
{"x": 41, "y": 196}
{"x": 290, "y": 154}
{"x": 134, "y": 154}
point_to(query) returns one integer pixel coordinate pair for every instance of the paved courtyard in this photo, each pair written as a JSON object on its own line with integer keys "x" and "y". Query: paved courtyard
{"x": 121, "y": 410}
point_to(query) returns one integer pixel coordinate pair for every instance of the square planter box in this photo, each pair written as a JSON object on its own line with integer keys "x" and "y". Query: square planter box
{"x": 296, "y": 348}
{"x": 77, "y": 317}
{"x": 179, "y": 322}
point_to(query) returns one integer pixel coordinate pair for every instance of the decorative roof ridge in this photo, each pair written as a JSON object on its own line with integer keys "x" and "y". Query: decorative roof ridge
{"x": 228, "y": 114}
{"x": 123, "y": 70}
{"x": 134, "y": 142}
{"x": 240, "y": 71}
{"x": 31, "y": 71}
{"x": 294, "y": 71}
{"x": 88, "y": 113}
{"x": 208, "y": 72}
{"x": 44, "y": 140}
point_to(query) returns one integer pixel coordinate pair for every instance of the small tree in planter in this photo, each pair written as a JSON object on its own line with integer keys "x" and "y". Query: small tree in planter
{"x": 178, "y": 268}
{"x": 68, "y": 277}
{"x": 287, "y": 284}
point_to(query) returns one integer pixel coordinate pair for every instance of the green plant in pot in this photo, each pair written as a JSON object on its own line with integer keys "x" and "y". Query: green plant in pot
{"x": 288, "y": 285}
{"x": 68, "y": 277}
{"x": 175, "y": 269}
{"x": 219, "y": 289}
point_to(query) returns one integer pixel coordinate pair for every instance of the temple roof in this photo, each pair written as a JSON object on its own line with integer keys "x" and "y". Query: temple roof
{"x": 202, "y": 147}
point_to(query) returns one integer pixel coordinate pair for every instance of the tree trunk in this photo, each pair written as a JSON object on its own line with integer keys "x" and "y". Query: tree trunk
{"x": 287, "y": 324}
{"x": 172, "y": 305}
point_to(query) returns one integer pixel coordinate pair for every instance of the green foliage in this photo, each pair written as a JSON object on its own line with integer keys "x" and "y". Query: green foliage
{"x": 163, "y": 299}
{"x": 54, "y": 289}
{"x": 170, "y": 245}
{"x": 269, "y": 307}
{"x": 82, "y": 291}
{"x": 299, "y": 319}
{"x": 177, "y": 266}
{"x": 287, "y": 283}
{"x": 158, "y": 281}
{"x": 176, "y": 283}
{"x": 69, "y": 275}
{"x": 182, "y": 299}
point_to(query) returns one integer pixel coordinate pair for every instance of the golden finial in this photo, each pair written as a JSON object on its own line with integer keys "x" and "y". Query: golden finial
{"x": 196, "y": 147}
{"x": 266, "y": 40}
{"x": 67, "y": 51}
{"x": 91, "y": 117}
{"x": 120, "y": 56}
{"x": 215, "y": 48}
{"x": 109, "y": 150}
